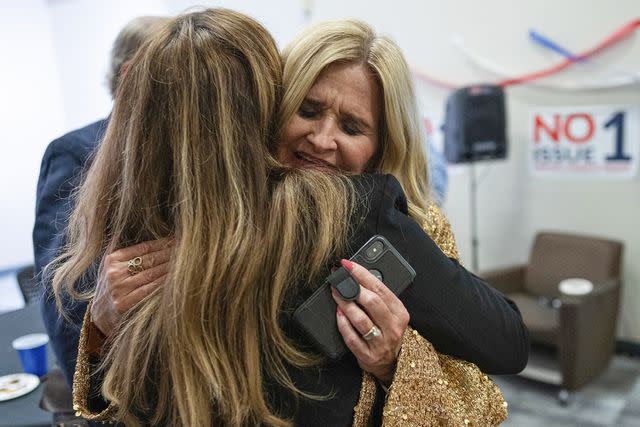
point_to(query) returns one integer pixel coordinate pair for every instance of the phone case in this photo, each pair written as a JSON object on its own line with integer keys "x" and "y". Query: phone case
{"x": 317, "y": 315}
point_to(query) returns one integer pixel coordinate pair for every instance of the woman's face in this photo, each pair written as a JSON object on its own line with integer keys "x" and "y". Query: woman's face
{"x": 337, "y": 123}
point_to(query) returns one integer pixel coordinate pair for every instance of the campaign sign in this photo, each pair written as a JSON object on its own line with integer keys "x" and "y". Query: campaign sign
{"x": 589, "y": 142}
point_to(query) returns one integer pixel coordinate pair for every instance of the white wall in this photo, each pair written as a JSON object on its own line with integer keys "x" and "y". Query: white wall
{"x": 31, "y": 112}
{"x": 84, "y": 31}
{"x": 55, "y": 58}
{"x": 512, "y": 204}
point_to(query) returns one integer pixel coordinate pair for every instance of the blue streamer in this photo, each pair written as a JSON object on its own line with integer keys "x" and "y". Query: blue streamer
{"x": 551, "y": 45}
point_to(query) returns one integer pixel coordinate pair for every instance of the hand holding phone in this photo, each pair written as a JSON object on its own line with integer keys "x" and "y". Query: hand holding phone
{"x": 317, "y": 315}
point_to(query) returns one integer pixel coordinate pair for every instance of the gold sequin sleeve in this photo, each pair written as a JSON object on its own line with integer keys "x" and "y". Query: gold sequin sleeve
{"x": 429, "y": 388}
{"x": 440, "y": 231}
{"x": 83, "y": 376}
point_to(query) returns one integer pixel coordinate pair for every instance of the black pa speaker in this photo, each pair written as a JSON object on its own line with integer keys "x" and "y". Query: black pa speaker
{"x": 475, "y": 124}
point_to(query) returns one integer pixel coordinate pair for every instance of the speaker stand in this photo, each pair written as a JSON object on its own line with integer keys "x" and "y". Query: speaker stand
{"x": 473, "y": 203}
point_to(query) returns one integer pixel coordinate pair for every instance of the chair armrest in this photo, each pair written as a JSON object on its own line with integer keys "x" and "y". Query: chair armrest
{"x": 506, "y": 280}
{"x": 587, "y": 332}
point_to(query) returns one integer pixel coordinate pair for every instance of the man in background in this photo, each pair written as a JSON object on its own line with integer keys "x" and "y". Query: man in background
{"x": 63, "y": 164}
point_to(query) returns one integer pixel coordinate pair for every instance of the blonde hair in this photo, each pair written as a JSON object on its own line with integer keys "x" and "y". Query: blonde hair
{"x": 401, "y": 147}
{"x": 187, "y": 153}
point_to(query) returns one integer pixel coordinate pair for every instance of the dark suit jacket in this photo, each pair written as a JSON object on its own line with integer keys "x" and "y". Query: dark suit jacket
{"x": 62, "y": 165}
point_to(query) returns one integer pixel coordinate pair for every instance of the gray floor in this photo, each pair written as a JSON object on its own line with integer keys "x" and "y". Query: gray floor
{"x": 612, "y": 400}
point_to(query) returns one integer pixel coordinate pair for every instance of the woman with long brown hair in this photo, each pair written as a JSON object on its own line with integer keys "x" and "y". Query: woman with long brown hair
{"x": 186, "y": 154}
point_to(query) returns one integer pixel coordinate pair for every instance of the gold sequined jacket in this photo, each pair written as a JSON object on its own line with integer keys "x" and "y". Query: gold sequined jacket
{"x": 428, "y": 389}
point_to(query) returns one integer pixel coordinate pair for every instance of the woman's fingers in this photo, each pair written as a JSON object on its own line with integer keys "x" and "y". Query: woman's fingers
{"x": 145, "y": 277}
{"x": 377, "y": 355}
{"x": 127, "y": 290}
{"x": 144, "y": 248}
{"x": 367, "y": 280}
{"x": 117, "y": 268}
{"x": 155, "y": 258}
{"x": 125, "y": 294}
{"x": 369, "y": 311}
{"x": 128, "y": 301}
{"x": 352, "y": 338}
{"x": 118, "y": 290}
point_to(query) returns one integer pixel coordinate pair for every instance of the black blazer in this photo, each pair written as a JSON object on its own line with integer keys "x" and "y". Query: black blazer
{"x": 62, "y": 165}
{"x": 458, "y": 312}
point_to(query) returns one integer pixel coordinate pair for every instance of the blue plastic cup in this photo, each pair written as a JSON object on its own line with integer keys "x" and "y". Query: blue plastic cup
{"x": 32, "y": 350}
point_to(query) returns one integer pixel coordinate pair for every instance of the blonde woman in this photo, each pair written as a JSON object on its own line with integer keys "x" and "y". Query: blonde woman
{"x": 349, "y": 103}
{"x": 245, "y": 323}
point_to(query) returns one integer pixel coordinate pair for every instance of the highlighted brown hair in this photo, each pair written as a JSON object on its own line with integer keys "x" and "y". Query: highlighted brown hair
{"x": 186, "y": 154}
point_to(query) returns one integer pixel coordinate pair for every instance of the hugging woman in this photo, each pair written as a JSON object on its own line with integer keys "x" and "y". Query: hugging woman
{"x": 189, "y": 153}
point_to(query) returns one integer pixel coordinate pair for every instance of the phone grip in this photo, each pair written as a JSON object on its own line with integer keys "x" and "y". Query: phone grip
{"x": 343, "y": 283}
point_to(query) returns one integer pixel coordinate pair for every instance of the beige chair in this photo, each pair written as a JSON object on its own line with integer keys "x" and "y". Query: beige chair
{"x": 581, "y": 328}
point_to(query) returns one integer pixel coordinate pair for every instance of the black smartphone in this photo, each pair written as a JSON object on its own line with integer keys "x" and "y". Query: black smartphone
{"x": 317, "y": 315}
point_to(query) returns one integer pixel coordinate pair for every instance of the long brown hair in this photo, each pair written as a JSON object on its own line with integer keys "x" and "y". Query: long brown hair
{"x": 186, "y": 153}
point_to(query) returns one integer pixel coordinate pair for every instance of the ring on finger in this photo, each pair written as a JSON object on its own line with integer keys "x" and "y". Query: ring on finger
{"x": 134, "y": 266}
{"x": 373, "y": 332}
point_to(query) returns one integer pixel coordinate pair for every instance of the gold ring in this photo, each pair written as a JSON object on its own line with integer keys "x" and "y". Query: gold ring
{"x": 134, "y": 266}
{"x": 373, "y": 332}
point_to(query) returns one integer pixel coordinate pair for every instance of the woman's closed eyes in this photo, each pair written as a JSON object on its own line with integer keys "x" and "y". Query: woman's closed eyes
{"x": 349, "y": 124}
